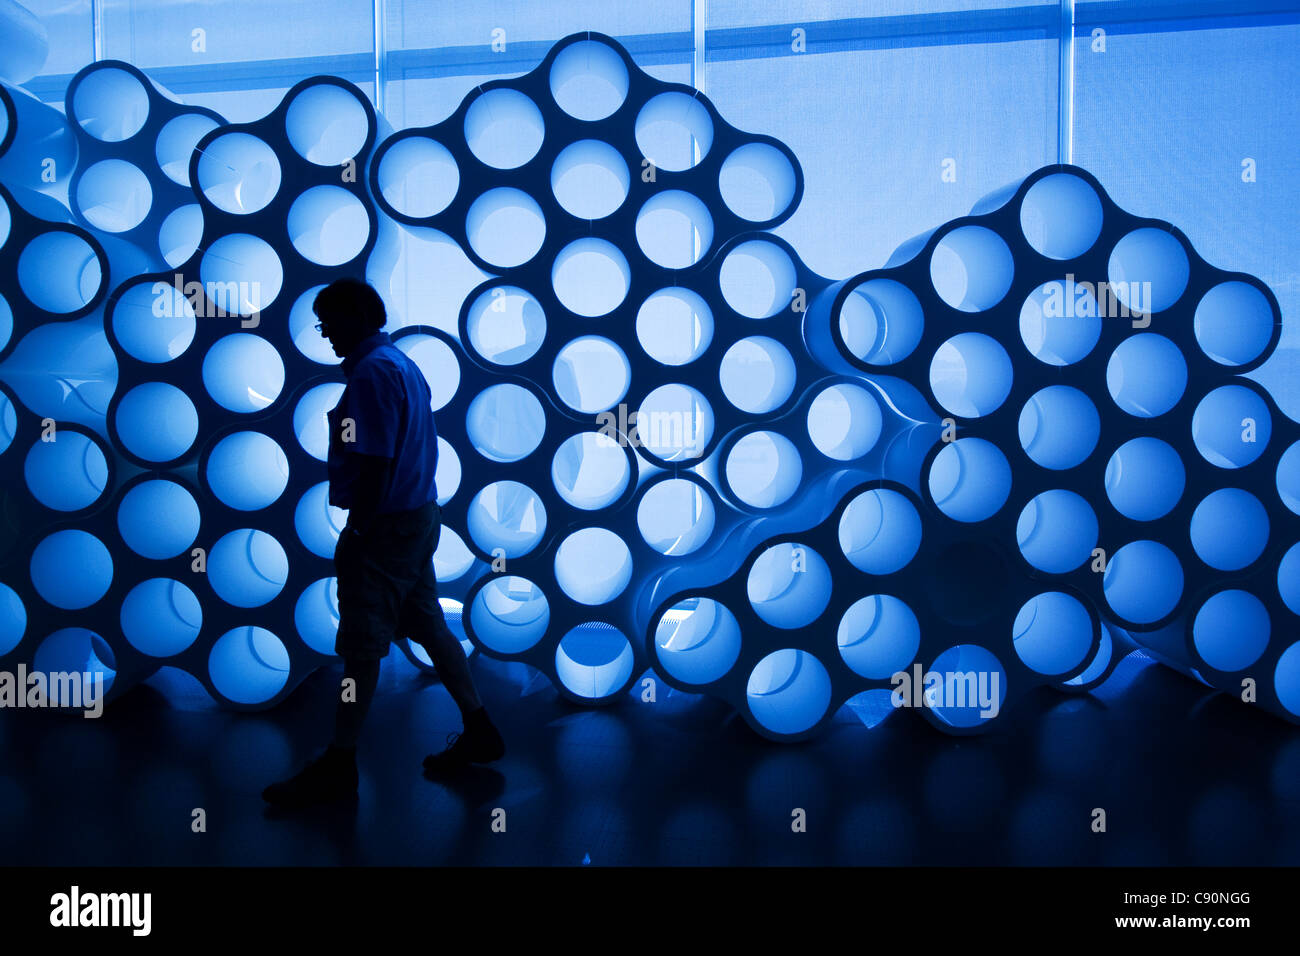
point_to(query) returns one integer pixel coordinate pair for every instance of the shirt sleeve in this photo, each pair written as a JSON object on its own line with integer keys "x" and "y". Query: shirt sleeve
{"x": 374, "y": 404}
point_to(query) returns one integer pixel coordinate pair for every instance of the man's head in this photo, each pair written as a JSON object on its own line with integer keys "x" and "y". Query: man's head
{"x": 349, "y": 311}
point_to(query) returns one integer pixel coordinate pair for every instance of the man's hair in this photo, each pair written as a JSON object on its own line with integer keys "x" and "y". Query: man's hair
{"x": 350, "y": 301}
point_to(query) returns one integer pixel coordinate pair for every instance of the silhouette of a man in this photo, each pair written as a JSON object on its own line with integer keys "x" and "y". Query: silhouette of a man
{"x": 383, "y": 452}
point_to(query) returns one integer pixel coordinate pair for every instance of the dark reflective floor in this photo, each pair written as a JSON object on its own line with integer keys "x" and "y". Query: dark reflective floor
{"x": 1184, "y": 777}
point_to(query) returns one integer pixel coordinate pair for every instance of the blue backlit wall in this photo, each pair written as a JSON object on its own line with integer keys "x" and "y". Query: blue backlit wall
{"x": 792, "y": 521}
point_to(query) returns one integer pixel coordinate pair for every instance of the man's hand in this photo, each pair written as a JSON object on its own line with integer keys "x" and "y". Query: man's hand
{"x": 369, "y": 491}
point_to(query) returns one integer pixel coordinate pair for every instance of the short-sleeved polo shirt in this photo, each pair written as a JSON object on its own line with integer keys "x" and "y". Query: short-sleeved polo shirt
{"x": 384, "y": 411}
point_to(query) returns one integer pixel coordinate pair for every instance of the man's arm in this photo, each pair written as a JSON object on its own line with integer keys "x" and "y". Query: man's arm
{"x": 368, "y": 492}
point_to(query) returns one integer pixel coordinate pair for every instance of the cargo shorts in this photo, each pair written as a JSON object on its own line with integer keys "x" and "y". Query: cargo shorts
{"x": 386, "y": 583}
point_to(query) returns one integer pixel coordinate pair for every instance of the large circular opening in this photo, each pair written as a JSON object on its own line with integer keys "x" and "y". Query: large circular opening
{"x": 594, "y": 660}
{"x": 674, "y": 422}
{"x": 114, "y": 195}
{"x": 878, "y": 636}
{"x": 59, "y": 272}
{"x": 157, "y": 422}
{"x": 241, "y": 274}
{"x": 505, "y": 422}
{"x": 675, "y": 516}
{"x": 506, "y": 325}
{"x": 970, "y": 375}
{"x": 110, "y": 104}
{"x": 302, "y": 328}
{"x": 674, "y": 131}
{"x": 1061, "y": 216}
{"x": 590, "y": 470}
{"x": 1059, "y": 427}
{"x": 1229, "y": 529}
{"x": 1231, "y": 426}
{"x": 318, "y": 523}
{"x": 243, "y": 373}
{"x": 328, "y": 225}
{"x": 788, "y": 691}
{"x": 447, "y": 472}
{"x": 78, "y": 652}
{"x": 1146, "y": 375}
{"x": 971, "y": 268}
{"x": 973, "y": 688}
{"x": 1148, "y": 270}
{"x": 591, "y": 374}
{"x": 326, "y": 124}
{"x": 1231, "y": 630}
{"x": 880, "y": 531}
{"x": 588, "y": 80}
{"x": 1144, "y": 479}
{"x": 311, "y": 418}
{"x": 674, "y": 229}
{"x": 593, "y": 566}
{"x": 590, "y": 179}
{"x": 437, "y": 362}
{"x": 1052, "y": 633}
{"x": 970, "y": 479}
{"x": 505, "y": 227}
{"x": 247, "y": 471}
{"x": 248, "y": 665}
{"x": 844, "y": 421}
{"x": 757, "y": 182}
{"x": 180, "y": 234}
{"x": 764, "y": 469}
{"x": 161, "y": 617}
{"x": 158, "y": 519}
{"x": 757, "y": 374}
{"x": 674, "y": 326}
{"x": 504, "y": 128}
{"x": 316, "y": 615}
{"x": 509, "y": 614}
{"x": 1057, "y": 531}
{"x": 881, "y": 321}
{"x": 697, "y": 640}
{"x": 247, "y": 567}
{"x": 55, "y": 554}
{"x": 1143, "y": 582}
{"x": 1059, "y": 323}
{"x": 758, "y": 279}
{"x": 418, "y": 177}
{"x": 67, "y": 474}
{"x": 506, "y": 518}
{"x": 1233, "y": 323}
{"x": 239, "y": 173}
{"x": 591, "y": 277}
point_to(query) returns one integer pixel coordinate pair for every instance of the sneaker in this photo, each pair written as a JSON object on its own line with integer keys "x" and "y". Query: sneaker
{"x": 480, "y": 743}
{"x": 330, "y": 777}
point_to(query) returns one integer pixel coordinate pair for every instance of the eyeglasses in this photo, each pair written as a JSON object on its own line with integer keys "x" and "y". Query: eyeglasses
{"x": 320, "y": 327}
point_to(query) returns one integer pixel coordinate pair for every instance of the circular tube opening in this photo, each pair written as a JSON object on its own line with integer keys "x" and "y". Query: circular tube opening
{"x": 970, "y": 479}
{"x": 1059, "y": 427}
{"x": 1229, "y": 529}
{"x": 844, "y": 422}
{"x": 591, "y": 277}
{"x": 881, "y": 321}
{"x": 78, "y": 651}
{"x": 506, "y": 325}
{"x": 180, "y": 234}
{"x": 505, "y": 422}
{"x": 757, "y": 182}
{"x": 326, "y": 124}
{"x": 247, "y": 568}
{"x": 674, "y": 422}
{"x": 674, "y": 229}
{"x": 1233, "y": 323}
{"x": 248, "y": 665}
{"x": 764, "y": 469}
{"x": 788, "y": 691}
{"x": 110, "y": 104}
{"x": 504, "y": 128}
{"x": 697, "y": 640}
{"x": 1061, "y": 216}
{"x": 591, "y": 374}
{"x": 114, "y": 195}
{"x": 880, "y": 531}
{"x": 68, "y": 474}
{"x": 1146, "y": 375}
{"x": 590, "y": 179}
{"x": 1144, "y": 479}
{"x": 328, "y": 225}
{"x": 158, "y": 519}
{"x": 59, "y": 272}
{"x": 594, "y": 660}
{"x": 757, "y": 374}
{"x": 302, "y": 328}
{"x": 176, "y": 143}
{"x": 972, "y": 268}
{"x": 1052, "y": 634}
{"x": 589, "y": 80}
{"x": 241, "y": 274}
{"x": 243, "y": 373}
{"x": 590, "y": 470}
{"x": 674, "y": 131}
{"x": 675, "y": 516}
{"x": 157, "y": 422}
{"x": 316, "y": 615}
{"x": 437, "y": 361}
{"x": 418, "y": 177}
{"x": 758, "y": 279}
{"x": 311, "y": 418}
{"x": 1057, "y": 531}
{"x": 506, "y": 518}
{"x": 674, "y": 326}
{"x": 593, "y": 566}
{"x": 1148, "y": 270}
{"x": 1231, "y": 630}
{"x": 970, "y": 375}
{"x": 55, "y": 554}
{"x": 1231, "y": 426}
{"x": 878, "y": 636}
{"x": 505, "y": 227}
{"x": 161, "y": 617}
{"x": 239, "y": 173}
{"x": 247, "y": 471}
{"x": 1143, "y": 582}
{"x": 972, "y": 676}
{"x": 510, "y": 614}
{"x": 1059, "y": 323}
{"x": 318, "y": 523}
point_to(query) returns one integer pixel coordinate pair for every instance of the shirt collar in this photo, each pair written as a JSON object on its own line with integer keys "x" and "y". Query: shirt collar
{"x": 364, "y": 348}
